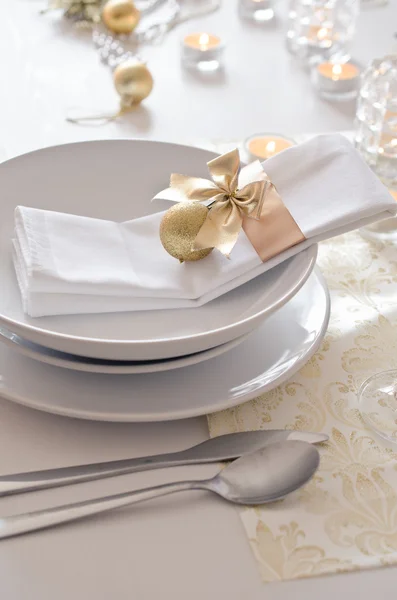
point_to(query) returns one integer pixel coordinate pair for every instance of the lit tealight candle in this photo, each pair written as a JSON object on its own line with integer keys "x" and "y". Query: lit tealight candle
{"x": 265, "y": 146}
{"x": 202, "y": 51}
{"x": 336, "y": 81}
{"x": 338, "y": 72}
{"x": 202, "y": 41}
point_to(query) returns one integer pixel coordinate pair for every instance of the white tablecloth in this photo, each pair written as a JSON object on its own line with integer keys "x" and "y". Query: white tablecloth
{"x": 191, "y": 546}
{"x": 48, "y": 67}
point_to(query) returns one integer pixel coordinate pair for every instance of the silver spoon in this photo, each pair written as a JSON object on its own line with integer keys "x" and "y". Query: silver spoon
{"x": 265, "y": 475}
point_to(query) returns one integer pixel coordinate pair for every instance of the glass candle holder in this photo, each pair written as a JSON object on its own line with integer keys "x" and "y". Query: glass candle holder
{"x": 202, "y": 51}
{"x": 376, "y": 119}
{"x": 336, "y": 81}
{"x": 259, "y": 11}
{"x": 320, "y": 28}
{"x": 265, "y": 145}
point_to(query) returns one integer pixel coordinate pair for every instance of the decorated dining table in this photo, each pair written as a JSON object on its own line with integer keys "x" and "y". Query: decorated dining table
{"x": 198, "y": 282}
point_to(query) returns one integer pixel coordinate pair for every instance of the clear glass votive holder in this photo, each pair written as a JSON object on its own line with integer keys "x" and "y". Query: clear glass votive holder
{"x": 376, "y": 119}
{"x": 202, "y": 52}
{"x": 336, "y": 81}
{"x": 262, "y": 146}
{"x": 320, "y": 28}
{"x": 259, "y": 11}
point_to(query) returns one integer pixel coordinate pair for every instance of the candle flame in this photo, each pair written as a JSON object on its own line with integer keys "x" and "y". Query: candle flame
{"x": 271, "y": 147}
{"x": 336, "y": 72}
{"x": 322, "y": 33}
{"x": 203, "y": 41}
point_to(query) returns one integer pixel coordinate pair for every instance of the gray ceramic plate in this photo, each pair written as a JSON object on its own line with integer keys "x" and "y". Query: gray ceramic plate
{"x": 116, "y": 180}
{"x": 278, "y": 348}
{"x": 113, "y": 367}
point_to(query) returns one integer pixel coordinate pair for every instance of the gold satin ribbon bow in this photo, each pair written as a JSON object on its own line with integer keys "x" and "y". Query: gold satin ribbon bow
{"x": 232, "y": 194}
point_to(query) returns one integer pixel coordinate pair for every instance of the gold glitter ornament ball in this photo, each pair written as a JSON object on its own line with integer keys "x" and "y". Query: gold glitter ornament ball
{"x": 179, "y": 228}
{"x": 120, "y": 16}
{"x": 133, "y": 81}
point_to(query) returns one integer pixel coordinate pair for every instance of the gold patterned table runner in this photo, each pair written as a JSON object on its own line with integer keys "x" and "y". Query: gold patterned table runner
{"x": 346, "y": 517}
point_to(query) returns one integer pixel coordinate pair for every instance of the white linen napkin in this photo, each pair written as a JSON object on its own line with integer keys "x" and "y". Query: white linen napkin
{"x": 67, "y": 264}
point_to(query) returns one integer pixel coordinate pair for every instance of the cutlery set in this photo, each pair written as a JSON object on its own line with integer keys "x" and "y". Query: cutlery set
{"x": 268, "y": 466}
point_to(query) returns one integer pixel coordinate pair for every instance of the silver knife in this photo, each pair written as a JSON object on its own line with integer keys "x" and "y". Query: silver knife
{"x": 223, "y": 447}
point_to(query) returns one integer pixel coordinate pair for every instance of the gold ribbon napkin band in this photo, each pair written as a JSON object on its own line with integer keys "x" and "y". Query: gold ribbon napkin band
{"x": 238, "y": 198}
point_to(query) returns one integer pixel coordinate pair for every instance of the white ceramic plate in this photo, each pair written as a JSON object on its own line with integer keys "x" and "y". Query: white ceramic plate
{"x": 116, "y": 180}
{"x": 281, "y": 345}
{"x": 96, "y": 365}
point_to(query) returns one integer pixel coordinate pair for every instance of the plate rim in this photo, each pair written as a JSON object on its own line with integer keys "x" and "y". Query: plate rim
{"x": 11, "y": 324}
{"x": 195, "y": 412}
{"x": 175, "y": 363}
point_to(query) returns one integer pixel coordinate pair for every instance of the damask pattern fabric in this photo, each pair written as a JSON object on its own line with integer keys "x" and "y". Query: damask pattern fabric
{"x": 346, "y": 517}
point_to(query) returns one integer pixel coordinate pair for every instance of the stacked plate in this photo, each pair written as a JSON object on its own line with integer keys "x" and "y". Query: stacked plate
{"x": 153, "y": 365}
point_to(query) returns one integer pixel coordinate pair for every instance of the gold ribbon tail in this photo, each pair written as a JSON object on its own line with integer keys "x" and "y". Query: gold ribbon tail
{"x": 220, "y": 230}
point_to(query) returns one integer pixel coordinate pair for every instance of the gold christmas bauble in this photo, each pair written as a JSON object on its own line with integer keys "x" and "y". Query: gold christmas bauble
{"x": 179, "y": 227}
{"x": 133, "y": 81}
{"x": 120, "y": 16}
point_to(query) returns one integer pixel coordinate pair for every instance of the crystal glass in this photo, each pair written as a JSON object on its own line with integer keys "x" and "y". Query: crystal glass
{"x": 376, "y": 139}
{"x": 376, "y": 132}
{"x": 318, "y": 29}
{"x": 376, "y": 118}
{"x": 378, "y": 404}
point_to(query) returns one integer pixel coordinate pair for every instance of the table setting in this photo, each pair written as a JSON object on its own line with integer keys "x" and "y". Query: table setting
{"x": 194, "y": 303}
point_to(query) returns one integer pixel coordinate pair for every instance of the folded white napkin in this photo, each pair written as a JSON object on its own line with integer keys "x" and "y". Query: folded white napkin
{"x": 67, "y": 264}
